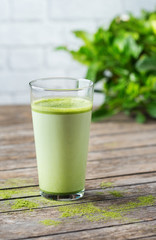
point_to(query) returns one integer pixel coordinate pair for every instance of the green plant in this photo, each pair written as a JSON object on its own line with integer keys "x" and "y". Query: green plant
{"x": 123, "y": 57}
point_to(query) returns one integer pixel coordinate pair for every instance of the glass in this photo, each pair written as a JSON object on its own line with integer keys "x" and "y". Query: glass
{"x": 61, "y": 113}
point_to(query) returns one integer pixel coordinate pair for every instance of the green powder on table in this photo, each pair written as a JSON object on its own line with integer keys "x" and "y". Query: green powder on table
{"x": 16, "y": 182}
{"x": 105, "y": 215}
{"x": 49, "y": 222}
{"x": 89, "y": 211}
{"x": 116, "y": 193}
{"x": 78, "y": 210}
{"x": 140, "y": 202}
{"x": 99, "y": 193}
{"x": 93, "y": 213}
{"x": 5, "y": 194}
{"x": 21, "y": 203}
{"x": 106, "y": 184}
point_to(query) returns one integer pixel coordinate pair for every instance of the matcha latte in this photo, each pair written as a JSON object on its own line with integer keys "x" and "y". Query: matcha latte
{"x": 61, "y": 130}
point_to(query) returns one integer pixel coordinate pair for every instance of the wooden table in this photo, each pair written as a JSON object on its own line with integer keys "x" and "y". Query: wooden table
{"x": 120, "y": 197}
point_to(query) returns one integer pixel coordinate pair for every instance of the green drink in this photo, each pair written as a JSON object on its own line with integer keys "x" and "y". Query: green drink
{"x": 61, "y": 130}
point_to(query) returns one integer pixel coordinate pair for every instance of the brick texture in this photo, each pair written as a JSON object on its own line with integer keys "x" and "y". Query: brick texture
{"x": 3, "y": 59}
{"x": 4, "y": 10}
{"x": 26, "y": 59}
{"x": 135, "y": 6}
{"x": 26, "y": 33}
{"x": 84, "y": 9}
{"x": 28, "y": 9}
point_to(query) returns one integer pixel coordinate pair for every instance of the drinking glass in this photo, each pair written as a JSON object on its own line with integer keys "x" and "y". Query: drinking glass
{"x": 61, "y": 113}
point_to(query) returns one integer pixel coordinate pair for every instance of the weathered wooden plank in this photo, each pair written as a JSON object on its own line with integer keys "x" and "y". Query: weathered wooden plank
{"x": 133, "y": 231}
{"x": 122, "y": 152}
{"x": 19, "y": 120}
{"x": 13, "y": 115}
{"x": 20, "y": 112}
{"x": 97, "y": 129}
{"x": 102, "y": 168}
{"x": 92, "y": 156}
{"x": 18, "y": 151}
{"x": 119, "y": 167}
{"x": 138, "y": 180}
{"x": 8, "y": 197}
{"x": 24, "y": 151}
{"x": 120, "y": 141}
{"x": 120, "y": 180}
{"x": 27, "y": 155}
{"x": 14, "y": 164}
{"x": 15, "y": 225}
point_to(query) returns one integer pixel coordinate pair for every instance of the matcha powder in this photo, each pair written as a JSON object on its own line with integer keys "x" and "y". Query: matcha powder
{"x": 93, "y": 213}
{"x": 21, "y": 203}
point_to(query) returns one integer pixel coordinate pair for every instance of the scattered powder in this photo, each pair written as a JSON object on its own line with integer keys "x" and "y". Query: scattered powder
{"x": 89, "y": 211}
{"x": 116, "y": 193}
{"x": 106, "y": 184}
{"x": 99, "y": 193}
{"x": 16, "y": 182}
{"x": 140, "y": 202}
{"x": 21, "y": 203}
{"x": 105, "y": 215}
{"x": 93, "y": 213}
{"x": 49, "y": 222}
{"x": 79, "y": 210}
{"x": 5, "y": 194}
{"x": 146, "y": 200}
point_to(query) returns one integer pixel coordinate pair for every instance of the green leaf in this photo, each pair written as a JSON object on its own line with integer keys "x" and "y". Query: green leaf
{"x": 153, "y": 23}
{"x": 151, "y": 109}
{"x": 85, "y": 36}
{"x": 126, "y": 50}
{"x": 64, "y": 48}
{"x": 84, "y": 55}
{"x": 128, "y": 46}
{"x": 145, "y": 64}
{"x": 140, "y": 118}
{"x": 132, "y": 89}
{"x": 151, "y": 82}
{"x": 92, "y": 72}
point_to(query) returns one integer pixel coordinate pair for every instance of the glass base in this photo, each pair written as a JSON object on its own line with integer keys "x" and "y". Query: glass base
{"x": 63, "y": 197}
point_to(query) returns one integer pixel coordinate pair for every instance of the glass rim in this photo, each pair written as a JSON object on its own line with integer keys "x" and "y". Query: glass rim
{"x": 60, "y": 78}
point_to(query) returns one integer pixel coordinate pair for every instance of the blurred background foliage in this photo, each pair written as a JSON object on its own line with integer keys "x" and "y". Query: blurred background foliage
{"x": 123, "y": 58}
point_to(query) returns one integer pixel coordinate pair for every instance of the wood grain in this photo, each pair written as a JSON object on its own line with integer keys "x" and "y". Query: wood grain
{"x": 92, "y": 194}
{"x": 135, "y": 231}
{"x": 31, "y": 221}
{"x": 97, "y": 168}
{"x": 120, "y": 151}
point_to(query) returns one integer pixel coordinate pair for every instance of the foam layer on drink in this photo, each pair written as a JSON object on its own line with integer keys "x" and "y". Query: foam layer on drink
{"x": 64, "y": 105}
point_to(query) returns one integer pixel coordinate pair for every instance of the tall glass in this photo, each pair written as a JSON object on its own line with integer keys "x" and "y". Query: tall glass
{"x": 61, "y": 112}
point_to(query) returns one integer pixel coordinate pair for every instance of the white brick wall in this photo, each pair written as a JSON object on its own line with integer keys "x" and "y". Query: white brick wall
{"x": 3, "y": 59}
{"x": 28, "y": 9}
{"x": 84, "y": 9}
{"x": 31, "y": 29}
{"x": 4, "y": 10}
{"x": 135, "y": 6}
{"x": 20, "y": 58}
